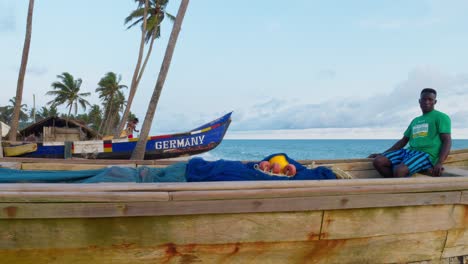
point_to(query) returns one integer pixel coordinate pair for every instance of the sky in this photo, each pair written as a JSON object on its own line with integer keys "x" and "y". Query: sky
{"x": 294, "y": 69}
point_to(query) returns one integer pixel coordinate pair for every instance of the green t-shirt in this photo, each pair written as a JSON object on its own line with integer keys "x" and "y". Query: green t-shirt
{"x": 424, "y": 133}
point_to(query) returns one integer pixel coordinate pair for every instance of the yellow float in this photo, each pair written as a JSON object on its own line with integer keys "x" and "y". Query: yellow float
{"x": 281, "y": 160}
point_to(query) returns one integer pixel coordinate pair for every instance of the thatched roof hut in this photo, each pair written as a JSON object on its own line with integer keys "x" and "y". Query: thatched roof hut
{"x": 56, "y": 129}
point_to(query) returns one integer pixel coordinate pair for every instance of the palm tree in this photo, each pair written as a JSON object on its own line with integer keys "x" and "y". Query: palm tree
{"x": 22, "y": 72}
{"x": 45, "y": 112}
{"x": 108, "y": 89}
{"x": 67, "y": 91}
{"x": 139, "y": 151}
{"x": 119, "y": 105}
{"x": 9, "y": 111}
{"x": 95, "y": 117}
{"x": 149, "y": 13}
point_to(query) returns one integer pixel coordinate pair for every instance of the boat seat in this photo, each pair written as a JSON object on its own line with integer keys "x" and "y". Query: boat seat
{"x": 451, "y": 171}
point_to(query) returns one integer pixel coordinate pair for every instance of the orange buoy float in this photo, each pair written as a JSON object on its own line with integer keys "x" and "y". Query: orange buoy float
{"x": 276, "y": 168}
{"x": 265, "y": 166}
{"x": 289, "y": 170}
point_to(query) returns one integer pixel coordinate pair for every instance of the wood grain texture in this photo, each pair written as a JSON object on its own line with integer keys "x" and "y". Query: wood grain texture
{"x": 384, "y": 249}
{"x": 370, "y": 222}
{"x": 90, "y": 209}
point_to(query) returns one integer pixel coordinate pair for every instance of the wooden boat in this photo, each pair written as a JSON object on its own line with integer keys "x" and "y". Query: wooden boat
{"x": 20, "y": 149}
{"x": 198, "y": 140}
{"x": 365, "y": 219}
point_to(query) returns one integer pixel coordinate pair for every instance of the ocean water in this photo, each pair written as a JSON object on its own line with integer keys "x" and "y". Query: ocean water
{"x": 305, "y": 149}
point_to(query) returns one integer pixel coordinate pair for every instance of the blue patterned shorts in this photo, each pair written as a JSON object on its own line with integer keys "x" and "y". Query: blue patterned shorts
{"x": 413, "y": 159}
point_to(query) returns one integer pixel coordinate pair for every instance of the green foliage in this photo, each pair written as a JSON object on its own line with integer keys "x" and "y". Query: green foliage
{"x": 155, "y": 15}
{"x": 131, "y": 116}
{"x": 110, "y": 92}
{"x": 45, "y": 112}
{"x": 67, "y": 91}
{"x": 6, "y": 112}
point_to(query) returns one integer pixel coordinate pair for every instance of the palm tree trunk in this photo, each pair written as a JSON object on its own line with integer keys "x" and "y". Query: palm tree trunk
{"x": 100, "y": 125}
{"x": 139, "y": 151}
{"x": 133, "y": 86}
{"x": 109, "y": 114}
{"x": 22, "y": 73}
{"x": 69, "y": 113}
{"x": 148, "y": 54}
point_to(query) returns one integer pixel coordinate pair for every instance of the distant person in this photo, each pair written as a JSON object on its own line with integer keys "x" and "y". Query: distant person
{"x": 429, "y": 143}
{"x": 131, "y": 127}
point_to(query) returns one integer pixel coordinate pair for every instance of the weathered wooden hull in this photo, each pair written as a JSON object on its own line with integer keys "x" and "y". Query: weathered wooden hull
{"x": 344, "y": 221}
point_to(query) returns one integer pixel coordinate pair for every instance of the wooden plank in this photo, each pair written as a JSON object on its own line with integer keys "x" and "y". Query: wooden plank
{"x": 10, "y": 165}
{"x": 457, "y": 157}
{"x": 342, "y": 224}
{"x": 153, "y": 231}
{"x": 457, "y": 243}
{"x": 365, "y": 174}
{"x": 33, "y": 197}
{"x": 420, "y": 189}
{"x": 31, "y": 210}
{"x": 317, "y": 191}
{"x": 455, "y": 172}
{"x": 386, "y": 249}
{"x": 68, "y": 167}
{"x": 464, "y": 198}
{"x": 352, "y": 166}
{"x": 445, "y": 182}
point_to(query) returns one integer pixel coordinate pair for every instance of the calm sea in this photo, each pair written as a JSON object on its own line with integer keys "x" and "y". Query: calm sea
{"x": 305, "y": 149}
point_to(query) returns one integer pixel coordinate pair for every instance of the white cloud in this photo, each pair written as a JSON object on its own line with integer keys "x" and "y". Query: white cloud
{"x": 388, "y": 109}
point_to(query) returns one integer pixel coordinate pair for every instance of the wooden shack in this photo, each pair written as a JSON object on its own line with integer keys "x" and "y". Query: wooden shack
{"x": 58, "y": 129}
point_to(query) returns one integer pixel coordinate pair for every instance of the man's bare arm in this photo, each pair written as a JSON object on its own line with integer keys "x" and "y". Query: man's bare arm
{"x": 443, "y": 153}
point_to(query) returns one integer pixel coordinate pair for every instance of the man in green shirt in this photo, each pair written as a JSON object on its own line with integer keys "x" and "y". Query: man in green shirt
{"x": 429, "y": 143}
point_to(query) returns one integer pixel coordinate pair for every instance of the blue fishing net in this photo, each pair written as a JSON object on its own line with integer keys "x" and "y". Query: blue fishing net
{"x": 196, "y": 170}
{"x": 173, "y": 173}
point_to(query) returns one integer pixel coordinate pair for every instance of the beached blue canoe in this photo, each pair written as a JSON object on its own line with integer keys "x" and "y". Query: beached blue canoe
{"x": 198, "y": 140}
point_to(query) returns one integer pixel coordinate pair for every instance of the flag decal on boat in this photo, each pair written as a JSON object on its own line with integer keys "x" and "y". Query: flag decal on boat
{"x": 107, "y": 145}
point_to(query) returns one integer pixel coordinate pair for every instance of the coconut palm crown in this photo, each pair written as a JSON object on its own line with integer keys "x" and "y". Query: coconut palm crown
{"x": 156, "y": 14}
{"x": 67, "y": 91}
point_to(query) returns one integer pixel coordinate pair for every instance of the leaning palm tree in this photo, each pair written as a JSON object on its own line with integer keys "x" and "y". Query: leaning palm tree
{"x": 109, "y": 88}
{"x": 67, "y": 91}
{"x": 119, "y": 106}
{"x": 111, "y": 111}
{"x": 22, "y": 73}
{"x": 150, "y": 14}
{"x": 95, "y": 116}
{"x": 139, "y": 151}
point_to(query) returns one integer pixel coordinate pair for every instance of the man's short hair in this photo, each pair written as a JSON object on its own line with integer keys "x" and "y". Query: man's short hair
{"x": 429, "y": 90}
{"x": 135, "y": 119}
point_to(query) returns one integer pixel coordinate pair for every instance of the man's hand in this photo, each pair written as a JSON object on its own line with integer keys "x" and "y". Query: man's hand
{"x": 373, "y": 155}
{"x": 437, "y": 170}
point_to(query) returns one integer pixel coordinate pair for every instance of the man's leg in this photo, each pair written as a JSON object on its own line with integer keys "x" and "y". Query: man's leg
{"x": 383, "y": 165}
{"x": 401, "y": 170}
{"x": 416, "y": 161}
